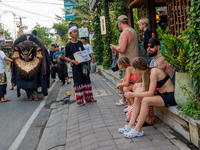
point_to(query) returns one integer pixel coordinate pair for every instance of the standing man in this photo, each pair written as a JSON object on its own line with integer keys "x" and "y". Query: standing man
{"x": 158, "y": 60}
{"x": 128, "y": 40}
{"x": 81, "y": 77}
{"x": 53, "y": 64}
{"x": 128, "y": 43}
{"x": 3, "y": 79}
{"x": 90, "y": 51}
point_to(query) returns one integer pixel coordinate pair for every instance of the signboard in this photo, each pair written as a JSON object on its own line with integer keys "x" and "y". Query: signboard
{"x": 103, "y": 24}
{"x": 93, "y": 4}
{"x": 82, "y": 56}
{"x": 68, "y": 8}
{"x": 83, "y": 32}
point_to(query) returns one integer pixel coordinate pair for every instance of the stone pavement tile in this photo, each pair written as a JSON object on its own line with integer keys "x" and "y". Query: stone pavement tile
{"x": 180, "y": 144}
{"x": 52, "y": 141}
{"x": 151, "y": 132}
{"x": 76, "y": 146}
{"x": 88, "y": 142}
{"x": 110, "y": 147}
{"x": 116, "y": 135}
{"x": 73, "y": 143}
{"x": 50, "y": 131}
{"x": 113, "y": 123}
{"x": 59, "y": 148}
{"x": 148, "y": 128}
{"x": 86, "y": 133}
{"x": 141, "y": 139}
{"x": 127, "y": 146}
{"x": 142, "y": 144}
{"x": 161, "y": 142}
{"x": 104, "y": 138}
{"x": 106, "y": 143}
{"x": 74, "y": 137}
{"x": 100, "y": 125}
{"x": 90, "y": 147}
{"x": 149, "y": 148}
{"x": 100, "y": 129}
{"x": 72, "y": 134}
{"x": 156, "y": 136}
{"x": 115, "y": 128}
{"x": 168, "y": 147}
{"x": 123, "y": 140}
{"x": 88, "y": 137}
{"x": 101, "y": 134}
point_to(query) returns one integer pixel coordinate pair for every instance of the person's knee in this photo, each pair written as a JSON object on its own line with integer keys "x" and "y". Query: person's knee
{"x": 145, "y": 101}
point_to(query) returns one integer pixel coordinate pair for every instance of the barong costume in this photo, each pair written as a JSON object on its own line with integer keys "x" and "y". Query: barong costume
{"x": 31, "y": 64}
{"x": 81, "y": 78}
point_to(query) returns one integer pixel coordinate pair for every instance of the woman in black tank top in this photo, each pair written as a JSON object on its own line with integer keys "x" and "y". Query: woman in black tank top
{"x": 145, "y": 96}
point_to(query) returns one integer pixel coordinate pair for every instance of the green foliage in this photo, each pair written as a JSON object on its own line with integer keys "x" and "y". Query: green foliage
{"x": 135, "y": 20}
{"x": 160, "y": 32}
{"x": 98, "y": 43}
{"x": 7, "y": 35}
{"x": 117, "y": 8}
{"x": 107, "y": 56}
{"x": 193, "y": 40}
{"x": 176, "y": 51}
{"x": 43, "y": 33}
{"x": 83, "y": 15}
{"x": 62, "y": 29}
{"x": 192, "y": 107}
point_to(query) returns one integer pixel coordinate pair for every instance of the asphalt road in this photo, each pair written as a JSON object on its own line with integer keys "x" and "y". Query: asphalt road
{"x": 15, "y": 114}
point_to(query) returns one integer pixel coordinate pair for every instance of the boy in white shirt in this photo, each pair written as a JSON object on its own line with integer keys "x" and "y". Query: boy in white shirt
{"x": 90, "y": 51}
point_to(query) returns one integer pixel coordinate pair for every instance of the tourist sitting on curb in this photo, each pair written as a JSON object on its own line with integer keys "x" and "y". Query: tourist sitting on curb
{"x": 144, "y": 96}
{"x": 126, "y": 83}
{"x": 153, "y": 47}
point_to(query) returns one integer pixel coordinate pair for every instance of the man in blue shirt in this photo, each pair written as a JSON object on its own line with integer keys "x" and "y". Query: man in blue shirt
{"x": 59, "y": 58}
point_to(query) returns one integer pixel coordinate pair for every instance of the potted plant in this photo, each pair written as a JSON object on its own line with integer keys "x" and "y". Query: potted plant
{"x": 177, "y": 53}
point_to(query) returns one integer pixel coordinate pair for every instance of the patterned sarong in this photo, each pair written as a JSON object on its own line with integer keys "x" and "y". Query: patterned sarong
{"x": 3, "y": 84}
{"x": 3, "y": 79}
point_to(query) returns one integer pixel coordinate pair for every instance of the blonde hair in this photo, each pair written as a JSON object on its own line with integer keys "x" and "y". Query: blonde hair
{"x": 141, "y": 64}
{"x": 144, "y": 21}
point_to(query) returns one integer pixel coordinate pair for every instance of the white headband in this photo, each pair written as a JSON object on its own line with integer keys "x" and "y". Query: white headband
{"x": 72, "y": 29}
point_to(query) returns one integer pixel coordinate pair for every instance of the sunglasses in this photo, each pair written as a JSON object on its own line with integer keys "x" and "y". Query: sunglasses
{"x": 151, "y": 46}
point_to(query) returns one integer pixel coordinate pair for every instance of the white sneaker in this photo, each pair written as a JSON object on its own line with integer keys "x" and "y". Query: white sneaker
{"x": 126, "y": 109}
{"x": 132, "y": 133}
{"x": 120, "y": 103}
{"x": 125, "y": 129}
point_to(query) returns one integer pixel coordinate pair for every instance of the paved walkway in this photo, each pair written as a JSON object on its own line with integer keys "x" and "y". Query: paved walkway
{"x": 94, "y": 126}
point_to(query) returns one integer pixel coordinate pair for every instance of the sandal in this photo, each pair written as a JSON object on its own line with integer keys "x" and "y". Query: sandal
{"x": 132, "y": 133}
{"x": 5, "y": 100}
{"x": 82, "y": 104}
{"x": 93, "y": 100}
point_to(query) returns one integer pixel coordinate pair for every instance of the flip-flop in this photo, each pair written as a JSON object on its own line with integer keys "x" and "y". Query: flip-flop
{"x": 81, "y": 104}
{"x": 5, "y": 100}
{"x": 93, "y": 100}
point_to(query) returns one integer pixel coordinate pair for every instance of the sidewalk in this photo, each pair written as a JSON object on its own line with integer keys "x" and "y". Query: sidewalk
{"x": 95, "y": 125}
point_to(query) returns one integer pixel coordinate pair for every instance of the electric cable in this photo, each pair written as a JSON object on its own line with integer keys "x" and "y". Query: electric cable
{"x": 26, "y": 11}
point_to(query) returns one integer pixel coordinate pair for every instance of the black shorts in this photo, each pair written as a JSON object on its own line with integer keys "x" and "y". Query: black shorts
{"x": 168, "y": 98}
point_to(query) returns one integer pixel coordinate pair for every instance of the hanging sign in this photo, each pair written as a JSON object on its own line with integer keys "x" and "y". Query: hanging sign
{"x": 83, "y": 32}
{"x": 103, "y": 24}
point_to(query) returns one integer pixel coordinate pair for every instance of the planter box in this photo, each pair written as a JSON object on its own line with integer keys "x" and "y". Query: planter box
{"x": 186, "y": 126}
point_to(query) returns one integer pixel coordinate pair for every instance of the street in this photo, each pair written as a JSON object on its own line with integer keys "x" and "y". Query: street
{"x": 15, "y": 114}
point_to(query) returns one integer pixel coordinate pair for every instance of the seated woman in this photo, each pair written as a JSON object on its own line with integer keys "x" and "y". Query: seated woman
{"x": 126, "y": 83}
{"x": 144, "y": 96}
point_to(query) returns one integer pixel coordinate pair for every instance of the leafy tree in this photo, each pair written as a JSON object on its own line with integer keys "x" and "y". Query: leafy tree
{"x": 43, "y": 33}
{"x": 83, "y": 15}
{"x": 62, "y": 29}
{"x": 7, "y": 35}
